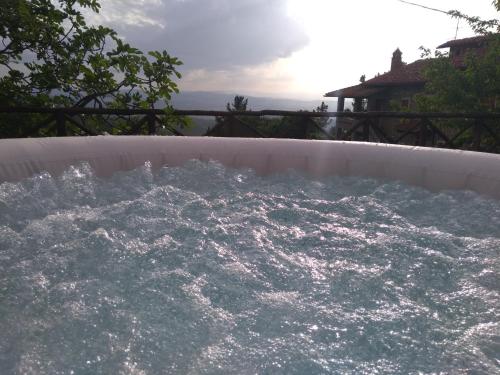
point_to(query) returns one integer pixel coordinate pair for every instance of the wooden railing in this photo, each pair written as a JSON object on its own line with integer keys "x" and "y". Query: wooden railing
{"x": 476, "y": 131}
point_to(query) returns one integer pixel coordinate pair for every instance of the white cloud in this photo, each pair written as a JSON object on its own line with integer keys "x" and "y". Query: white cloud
{"x": 124, "y": 13}
{"x": 211, "y": 34}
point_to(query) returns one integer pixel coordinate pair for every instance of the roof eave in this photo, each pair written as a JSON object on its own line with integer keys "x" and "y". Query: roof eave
{"x": 391, "y": 84}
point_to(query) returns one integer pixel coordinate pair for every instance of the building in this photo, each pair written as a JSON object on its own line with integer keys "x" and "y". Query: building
{"x": 396, "y": 88}
{"x": 462, "y": 47}
{"x": 399, "y": 85}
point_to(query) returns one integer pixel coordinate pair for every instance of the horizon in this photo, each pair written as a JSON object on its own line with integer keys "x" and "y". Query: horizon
{"x": 264, "y": 96}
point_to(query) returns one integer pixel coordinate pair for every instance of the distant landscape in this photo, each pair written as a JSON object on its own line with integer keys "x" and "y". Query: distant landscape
{"x": 216, "y": 101}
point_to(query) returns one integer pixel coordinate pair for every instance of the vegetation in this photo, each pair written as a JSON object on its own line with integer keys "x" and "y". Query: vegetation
{"x": 477, "y": 24}
{"x": 50, "y": 57}
{"x": 472, "y": 87}
{"x": 359, "y": 104}
{"x": 276, "y": 127}
{"x": 476, "y": 87}
{"x": 239, "y": 104}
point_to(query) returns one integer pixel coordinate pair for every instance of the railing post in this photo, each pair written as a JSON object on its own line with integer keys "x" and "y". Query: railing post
{"x": 366, "y": 130}
{"x": 304, "y": 124}
{"x": 60, "y": 123}
{"x": 422, "y": 139}
{"x": 476, "y": 130}
{"x": 231, "y": 130}
{"x": 151, "y": 123}
{"x": 339, "y": 133}
{"x": 433, "y": 134}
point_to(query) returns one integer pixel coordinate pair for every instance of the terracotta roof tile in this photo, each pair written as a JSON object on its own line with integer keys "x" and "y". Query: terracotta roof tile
{"x": 358, "y": 91}
{"x": 410, "y": 74}
{"x": 407, "y": 74}
{"x": 475, "y": 40}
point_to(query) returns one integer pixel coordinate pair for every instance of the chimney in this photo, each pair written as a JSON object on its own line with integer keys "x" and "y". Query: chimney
{"x": 397, "y": 62}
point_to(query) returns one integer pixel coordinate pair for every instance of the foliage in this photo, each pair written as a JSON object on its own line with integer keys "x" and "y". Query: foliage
{"x": 477, "y": 24}
{"x": 322, "y": 122}
{"x": 239, "y": 104}
{"x": 277, "y": 127}
{"x": 475, "y": 87}
{"x": 50, "y": 57}
{"x": 471, "y": 86}
{"x": 304, "y": 127}
{"x": 360, "y": 104}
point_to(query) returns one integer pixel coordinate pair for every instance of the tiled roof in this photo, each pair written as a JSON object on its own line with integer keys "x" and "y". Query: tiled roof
{"x": 409, "y": 74}
{"x": 466, "y": 41}
{"x": 358, "y": 91}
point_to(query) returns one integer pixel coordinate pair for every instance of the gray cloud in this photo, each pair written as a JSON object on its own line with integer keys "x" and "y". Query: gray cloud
{"x": 210, "y": 34}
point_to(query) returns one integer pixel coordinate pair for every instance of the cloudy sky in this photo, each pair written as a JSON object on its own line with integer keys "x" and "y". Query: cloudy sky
{"x": 285, "y": 48}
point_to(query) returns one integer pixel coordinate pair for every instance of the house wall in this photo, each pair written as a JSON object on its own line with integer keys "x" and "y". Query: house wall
{"x": 459, "y": 53}
{"x": 394, "y": 95}
{"x": 399, "y": 98}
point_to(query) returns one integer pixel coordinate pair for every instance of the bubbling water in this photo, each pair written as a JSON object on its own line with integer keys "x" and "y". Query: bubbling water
{"x": 203, "y": 269}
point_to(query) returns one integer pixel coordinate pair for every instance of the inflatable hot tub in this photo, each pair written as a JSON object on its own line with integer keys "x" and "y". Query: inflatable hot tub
{"x": 200, "y": 268}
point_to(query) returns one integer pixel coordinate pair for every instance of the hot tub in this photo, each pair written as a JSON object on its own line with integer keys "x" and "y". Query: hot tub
{"x": 152, "y": 255}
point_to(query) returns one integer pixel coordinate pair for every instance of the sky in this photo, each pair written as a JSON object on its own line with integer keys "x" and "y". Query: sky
{"x": 298, "y": 49}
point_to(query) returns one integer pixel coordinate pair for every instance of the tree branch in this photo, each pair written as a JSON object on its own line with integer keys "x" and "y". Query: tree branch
{"x": 7, "y": 47}
{"x": 87, "y": 99}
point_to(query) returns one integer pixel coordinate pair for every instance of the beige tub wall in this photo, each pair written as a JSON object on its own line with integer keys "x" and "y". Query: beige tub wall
{"x": 434, "y": 169}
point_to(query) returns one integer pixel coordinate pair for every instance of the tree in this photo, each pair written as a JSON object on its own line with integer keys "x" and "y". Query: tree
{"x": 473, "y": 87}
{"x": 274, "y": 127}
{"x": 249, "y": 123}
{"x": 239, "y": 104}
{"x": 50, "y": 57}
{"x": 476, "y": 87}
{"x": 322, "y": 122}
{"x": 360, "y": 104}
{"x": 477, "y": 24}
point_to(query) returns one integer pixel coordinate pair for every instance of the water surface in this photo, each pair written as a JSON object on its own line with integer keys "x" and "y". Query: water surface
{"x": 208, "y": 270}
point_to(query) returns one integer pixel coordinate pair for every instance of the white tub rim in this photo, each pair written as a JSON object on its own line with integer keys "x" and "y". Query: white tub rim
{"x": 432, "y": 168}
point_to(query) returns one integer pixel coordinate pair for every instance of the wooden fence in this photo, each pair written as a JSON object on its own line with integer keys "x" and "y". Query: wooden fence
{"x": 475, "y": 131}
